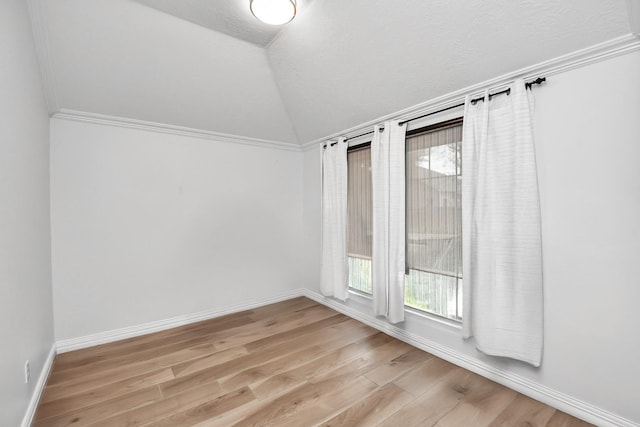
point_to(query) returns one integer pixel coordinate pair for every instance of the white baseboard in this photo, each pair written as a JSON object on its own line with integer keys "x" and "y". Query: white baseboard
{"x": 64, "y": 346}
{"x": 39, "y": 388}
{"x": 537, "y": 391}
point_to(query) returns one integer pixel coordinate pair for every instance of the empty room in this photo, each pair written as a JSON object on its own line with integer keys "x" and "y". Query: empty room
{"x": 319, "y": 213}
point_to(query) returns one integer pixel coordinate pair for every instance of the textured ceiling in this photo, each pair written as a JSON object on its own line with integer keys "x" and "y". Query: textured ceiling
{"x": 337, "y": 65}
{"x": 231, "y": 17}
{"x": 348, "y": 62}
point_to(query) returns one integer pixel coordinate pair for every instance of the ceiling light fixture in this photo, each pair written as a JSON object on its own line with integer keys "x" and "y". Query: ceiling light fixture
{"x": 273, "y": 12}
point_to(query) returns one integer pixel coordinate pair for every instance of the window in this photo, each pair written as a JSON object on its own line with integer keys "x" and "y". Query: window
{"x": 433, "y": 219}
{"x": 359, "y": 212}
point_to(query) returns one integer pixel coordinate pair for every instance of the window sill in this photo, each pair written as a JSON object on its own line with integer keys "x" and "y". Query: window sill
{"x": 414, "y": 312}
{"x": 365, "y": 298}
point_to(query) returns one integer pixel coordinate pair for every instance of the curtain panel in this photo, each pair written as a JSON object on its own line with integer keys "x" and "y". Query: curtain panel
{"x": 388, "y": 188}
{"x": 501, "y": 228}
{"x": 334, "y": 272}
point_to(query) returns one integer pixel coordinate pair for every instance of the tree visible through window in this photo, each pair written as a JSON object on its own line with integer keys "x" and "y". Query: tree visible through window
{"x": 433, "y": 219}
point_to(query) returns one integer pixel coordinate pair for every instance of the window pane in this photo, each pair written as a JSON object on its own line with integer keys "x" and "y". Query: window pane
{"x": 359, "y": 211}
{"x": 360, "y": 274}
{"x": 434, "y": 238}
{"x": 434, "y": 293}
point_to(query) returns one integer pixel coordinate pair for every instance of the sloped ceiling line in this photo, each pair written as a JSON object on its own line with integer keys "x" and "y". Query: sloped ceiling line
{"x": 590, "y": 55}
{"x": 634, "y": 16}
{"x": 350, "y": 61}
{"x": 44, "y": 56}
{"x": 333, "y": 68}
{"x": 123, "y": 59}
{"x": 229, "y": 17}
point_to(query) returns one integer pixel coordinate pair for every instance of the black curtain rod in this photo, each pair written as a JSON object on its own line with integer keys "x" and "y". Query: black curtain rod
{"x": 527, "y": 85}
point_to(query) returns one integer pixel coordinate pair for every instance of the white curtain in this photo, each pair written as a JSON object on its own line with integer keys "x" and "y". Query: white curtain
{"x": 334, "y": 273}
{"x": 388, "y": 186}
{"x": 502, "y": 248}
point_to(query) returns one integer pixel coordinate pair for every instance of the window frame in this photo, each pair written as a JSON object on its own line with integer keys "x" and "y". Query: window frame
{"x": 426, "y": 126}
{"x": 422, "y": 130}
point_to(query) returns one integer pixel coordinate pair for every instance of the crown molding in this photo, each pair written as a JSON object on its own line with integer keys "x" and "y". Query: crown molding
{"x": 43, "y": 53}
{"x": 580, "y": 58}
{"x": 101, "y": 119}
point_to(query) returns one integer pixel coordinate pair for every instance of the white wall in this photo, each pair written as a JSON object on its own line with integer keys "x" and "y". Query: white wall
{"x": 312, "y": 223}
{"x": 588, "y": 147}
{"x": 588, "y": 144}
{"x": 147, "y": 226}
{"x": 26, "y": 330}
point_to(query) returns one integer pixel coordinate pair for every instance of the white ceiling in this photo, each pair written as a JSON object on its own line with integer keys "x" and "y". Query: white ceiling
{"x": 231, "y": 17}
{"x": 123, "y": 59}
{"x": 338, "y": 64}
{"x": 344, "y": 64}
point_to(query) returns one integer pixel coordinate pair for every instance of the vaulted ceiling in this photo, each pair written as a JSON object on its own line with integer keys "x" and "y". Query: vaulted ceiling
{"x": 209, "y": 65}
{"x": 231, "y": 17}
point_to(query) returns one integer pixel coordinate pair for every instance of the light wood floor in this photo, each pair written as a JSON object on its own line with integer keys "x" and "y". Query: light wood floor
{"x": 295, "y": 363}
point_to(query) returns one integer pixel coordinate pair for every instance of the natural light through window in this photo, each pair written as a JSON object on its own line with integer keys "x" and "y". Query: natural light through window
{"x": 360, "y": 212}
{"x": 433, "y": 220}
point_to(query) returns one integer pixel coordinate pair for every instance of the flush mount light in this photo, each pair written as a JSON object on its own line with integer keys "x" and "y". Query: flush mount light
{"x": 273, "y": 12}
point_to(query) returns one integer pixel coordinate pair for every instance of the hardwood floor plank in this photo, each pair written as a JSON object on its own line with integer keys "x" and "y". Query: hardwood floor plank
{"x": 330, "y": 404}
{"x": 76, "y": 358}
{"x": 328, "y": 393}
{"x": 305, "y": 404}
{"x": 524, "y": 412}
{"x": 263, "y": 371}
{"x": 366, "y": 362}
{"x": 418, "y": 380}
{"x": 212, "y": 360}
{"x": 293, "y": 363}
{"x": 560, "y": 419}
{"x": 398, "y": 366}
{"x": 165, "y": 407}
{"x": 205, "y": 331}
{"x": 210, "y": 409}
{"x": 224, "y": 365}
{"x": 106, "y": 363}
{"x": 245, "y": 335}
{"x": 189, "y": 353}
{"x": 318, "y": 367}
{"x": 330, "y": 339}
{"x": 438, "y": 399}
{"x": 105, "y": 409}
{"x": 287, "y": 381}
{"x": 372, "y": 408}
{"x": 233, "y": 416}
{"x": 294, "y": 304}
{"x": 100, "y": 394}
{"x": 481, "y": 401}
{"x": 304, "y": 332}
{"x": 99, "y": 379}
{"x": 183, "y": 384}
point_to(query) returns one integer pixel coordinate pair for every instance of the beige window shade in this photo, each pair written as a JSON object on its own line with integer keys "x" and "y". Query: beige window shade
{"x": 359, "y": 203}
{"x": 433, "y": 223}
